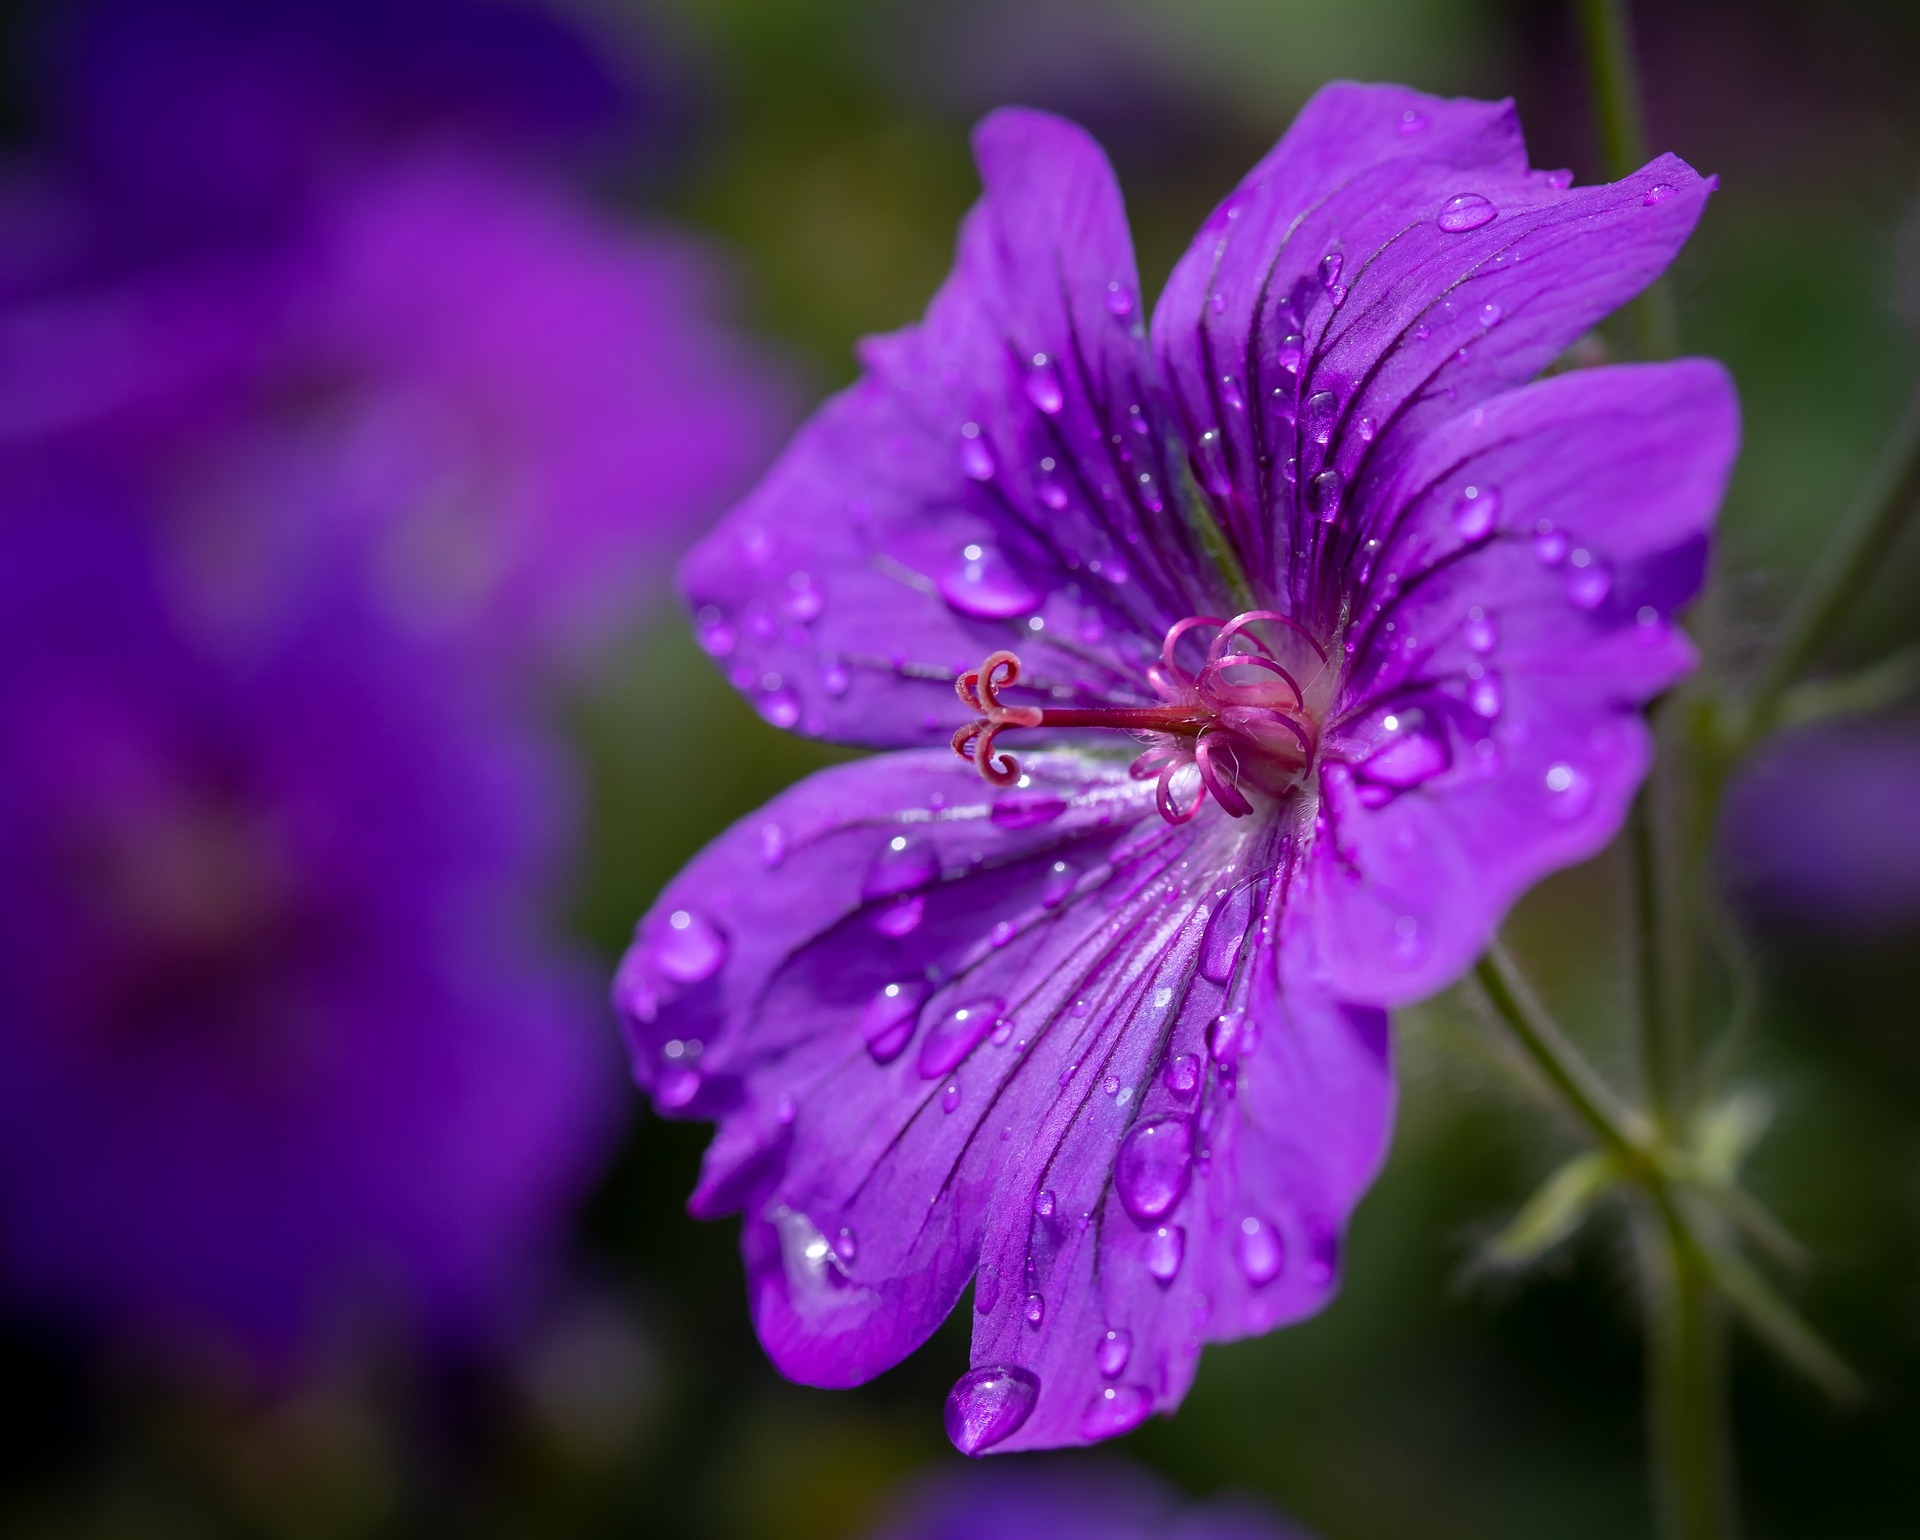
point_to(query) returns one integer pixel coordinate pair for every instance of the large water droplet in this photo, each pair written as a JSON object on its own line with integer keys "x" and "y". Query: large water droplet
{"x": 1226, "y": 929}
{"x": 1330, "y": 266}
{"x": 1210, "y": 461}
{"x": 1182, "y": 1074}
{"x": 901, "y": 917}
{"x": 1589, "y": 580}
{"x": 1119, "y": 300}
{"x": 1465, "y": 211}
{"x": 958, "y": 1034}
{"x": 1407, "y": 761}
{"x": 1559, "y": 181}
{"x": 1116, "y": 1409}
{"x": 1258, "y": 1249}
{"x": 984, "y": 584}
{"x": 1165, "y": 1250}
{"x": 1035, "y": 1309}
{"x": 887, "y": 1021}
{"x": 976, "y": 457}
{"x": 988, "y": 1405}
{"x": 1153, "y": 1167}
{"x": 1658, "y": 193}
{"x": 1569, "y": 791}
{"x": 903, "y": 864}
{"x": 689, "y": 947}
{"x": 1317, "y": 415}
{"x": 1111, "y": 1352}
{"x": 1025, "y": 809}
{"x": 1042, "y": 385}
{"x": 676, "y": 1087}
{"x": 1323, "y": 496}
{"x": 1476, "y": 511}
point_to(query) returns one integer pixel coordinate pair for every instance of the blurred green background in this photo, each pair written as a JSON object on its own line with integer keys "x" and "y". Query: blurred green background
{"x": 825, "y": 147}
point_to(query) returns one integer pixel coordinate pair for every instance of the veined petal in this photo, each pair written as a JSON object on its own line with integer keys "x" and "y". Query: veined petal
{"x": 1392, "y": 261}
{"x": 1506, "y": 640}
{"x": 1003, "y": 473}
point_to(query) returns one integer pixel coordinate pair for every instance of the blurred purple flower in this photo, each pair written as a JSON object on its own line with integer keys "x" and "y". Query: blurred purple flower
{"x": 1077, "y": 1502}
{"x": 1109, "y": 1041}
{"x": 283, "y": 1042}
{"x": 1846, "y": 860}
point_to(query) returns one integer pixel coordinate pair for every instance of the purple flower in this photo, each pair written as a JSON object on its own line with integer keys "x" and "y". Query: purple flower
{"x": 1051, "y": 1502}
{"x": 1366, "y": 620}
{"x": 284, "y": 1047}
{"x": 1847, "y": 860}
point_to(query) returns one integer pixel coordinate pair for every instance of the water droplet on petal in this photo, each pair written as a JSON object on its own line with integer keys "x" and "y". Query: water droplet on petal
{"x": 1411, "y": 123}
{"x": 1485, "y": 696}
{"x": 779, "y": 705}
{"x": 961, "y": 1031}
{"x": 1658, "y": 193}
{"x": 1366, "y": 429}
{"x": 1052, "y": 492}
{"x": 833, "y": 677}
{"x": 901, "y": 917}
{"x": 1230, "y": 393}
{"x": 1407, "y": 760}
{"x": 1491, "y": 312}
{"x": 1550, "y": 546}
{"x": 1226, "y": 929}
{"x": 1165, "y": 1250}
{"x": 688, "y": 948}
{"x": 1559, "y": 180}
{"x": 1482, "y": 631}
{"x": 976, "y": 458}
{"x": 1036, "y": 1309}
{"x": 676, "y": 1087}
{"x": 1058, "y": 886}
{"x": 1116, "y": 1409}
{"x": 1119, "y": 300}
{"x": 1317, "y": 415}
{"x": 988, "y": 1405}
{"x": 1226, "y": 1037}
{"x": 1337, "y": 295}
{"x": 1182, "y": 1074}
{"x": 1259, "y": 1251}
{"x": 950, "y": 1098}
{"x": 1111, "y": 1352}
{"x": 982, "y": 583}
{"x": 1154, "y": 1163}
{"x": 903, "y": 864}
{"x": 773, "y": 845}
{"x": 1476, "y": 511}
{"x": 1570, "y": 791}
{"x": 1211, "y": 461}
{"x": 717, "y": 638}
{"x": 1026, "y": 809}
{"x": 1330, "y": 266}
{"x": 1589, "y": 580}
{"x": 1323, "y": 496}
{"x": 803, "y": 600}
{"x": 1465, "y": 211}
{"x": 888, "y": 1020}
{"x": 986, "y": 1289}
{"x": 1043, "y": 1205}
{"x": 1043, "y": 385}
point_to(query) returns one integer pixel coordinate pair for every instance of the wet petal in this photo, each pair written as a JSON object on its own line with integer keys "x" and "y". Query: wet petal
{"x": 1391, "y": 262}
{"x": 1523, "y": 649}
{"x": 999, "y": 476}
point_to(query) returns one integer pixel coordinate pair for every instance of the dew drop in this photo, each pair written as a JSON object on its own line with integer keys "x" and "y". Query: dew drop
{"x": 1366, "y": 429}
{"x": 1337, "y": 295}
{"x": 676, "y": 1088}
{"x": 1225, "y": 1037}
{"x": 1407, "y": 761}
{"x": 902, "y": 865}
{"x": 711, "y": 629}
{"x": 1211, "y": 461}
{"x": 1485, "y": 696}
{"x": 773, "y": 845}
{"x": 1550, "y": 546}
{"x": 1052, "y": 492}
{"x": 1182, "y": 1074}
{"x": 887, "y": 1021}
{"x": 1330, "y": 266}
{"x": 1589, "y": 580}
{"x": 1111, "y": 1085}
{"x": 1230, "y": 393}
{"x": 1658, "y": 193}
{"x": 1490, "y": 313}
{"x": 688, "y": 948}
{"x": 950, "y": 1098}
{"x": 1412, "y": 123}
{"x": 1570, "y": 791}
{"x": 778, "y": 705}
{"x": 803, "y": 600}
{"x": 981, "y": 582}
{"x": 1153, "y": 1167}
{"x": 1465, "y": 211}
{"x": 1026, "y": 809}
{"x": 1042, "y": 385}
{"x": 846, "y": 1245}
{"x": 986, "y": 1289}
{"x": 1166, "y": 1248}
{"x": 1116, "y": 1409}
{"x": 1043, "y": 1205}
{"x": 1058, "y": 885}
{"x": 1259, "y": 1251}
{"x": 1317, "y": 415}
{"x": 961, "y": 1031}
{"x": 988, "y": 1406}
{"x": 1482, "y": 631}
{"x": 1226, "y": 929}
{"x": 1559, "y": 181}
{"x": 976, "y": 458}
{"x": 901, "y": 917}
{"x": 1476, "y": 511}
{"x": 1111, "y": 1352}
{"x": 833, "y": 677}
{"x": 1119, "y": 300}
{"x": 1323, "y": 496}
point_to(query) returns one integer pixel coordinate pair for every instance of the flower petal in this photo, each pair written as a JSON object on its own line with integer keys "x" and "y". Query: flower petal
{"x": 1501, "y": 660}
{"x": 1391, "y": 262}
{"x": 977, "y": 487}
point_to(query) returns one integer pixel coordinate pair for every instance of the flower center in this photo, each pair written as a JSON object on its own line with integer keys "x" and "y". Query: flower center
{"x": 1244, "y": 721}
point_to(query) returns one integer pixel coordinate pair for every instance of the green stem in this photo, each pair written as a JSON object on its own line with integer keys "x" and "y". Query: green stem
{"x": 1686, "y": 1398}
{"x": 1845, "y": 568}
{"x": 1614, "y": 80}
{"x": 1657, "y": 1055}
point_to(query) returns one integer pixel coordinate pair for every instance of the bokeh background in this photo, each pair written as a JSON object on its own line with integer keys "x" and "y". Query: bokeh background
{"x": 491, "y": 309}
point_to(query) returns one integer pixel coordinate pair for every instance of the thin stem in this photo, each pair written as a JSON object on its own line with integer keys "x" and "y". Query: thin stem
{"x": 1847, "y": 565}
{"x": 1685, "y": 1386}
{"x": 1658, "y": 1070}
{"x": 1614, "y": 79}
